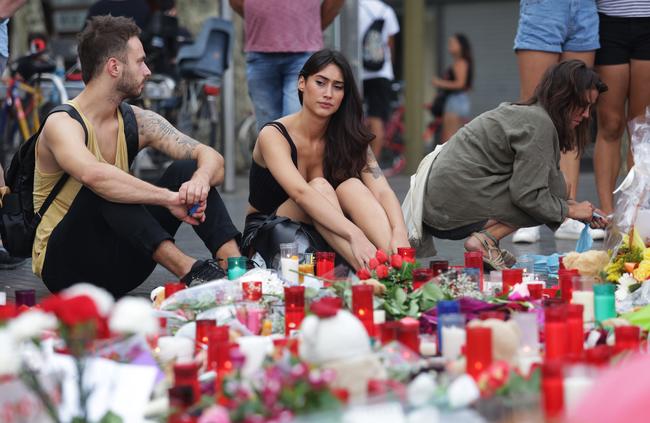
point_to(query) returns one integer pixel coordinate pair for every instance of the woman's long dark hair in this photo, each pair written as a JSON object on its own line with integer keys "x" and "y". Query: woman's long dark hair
{"x": 562, "y": 90}
{"x": 347, "y": 137}
{"x": 466, "y": 53}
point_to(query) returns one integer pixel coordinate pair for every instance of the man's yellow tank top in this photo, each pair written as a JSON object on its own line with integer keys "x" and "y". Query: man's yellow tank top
{"x": 44, "y": 182}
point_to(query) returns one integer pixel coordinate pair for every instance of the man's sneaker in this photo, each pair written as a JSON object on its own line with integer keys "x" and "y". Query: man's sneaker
{"x": 203, "y": 271}
{"x": 571, "y": 230}
{"x": 527, "y": 235}
{"x": 8, "y": 262}
{"x": 597, "y": 234}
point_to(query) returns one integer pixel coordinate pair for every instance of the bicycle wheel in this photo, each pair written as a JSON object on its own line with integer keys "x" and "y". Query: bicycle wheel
{"x": 246, "y": 137}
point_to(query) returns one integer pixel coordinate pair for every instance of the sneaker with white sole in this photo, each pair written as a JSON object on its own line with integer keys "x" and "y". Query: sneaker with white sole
{"x": 597, "y": 234}
{"x": 527, "y": 235}
{"x": 571, "y": 229}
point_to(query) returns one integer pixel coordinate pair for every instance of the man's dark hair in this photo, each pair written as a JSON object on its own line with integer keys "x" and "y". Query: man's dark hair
{"x": 102, "y": 38}
{"x": 562, "y": 90}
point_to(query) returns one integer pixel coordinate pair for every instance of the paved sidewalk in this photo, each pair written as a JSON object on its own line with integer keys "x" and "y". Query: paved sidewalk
{"x": 22, "y": 277}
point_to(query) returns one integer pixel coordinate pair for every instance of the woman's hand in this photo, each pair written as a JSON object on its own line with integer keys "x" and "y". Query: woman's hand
{"x": 599, "y": 221}
{"x": 362, "y": 249}
{"x": 581, "y": 211}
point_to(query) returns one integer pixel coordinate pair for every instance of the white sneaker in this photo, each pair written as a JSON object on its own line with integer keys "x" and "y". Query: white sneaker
{"x": 569, "y": 229}
{"x": 597, "y": 234}
{"x": 527, "y": 235}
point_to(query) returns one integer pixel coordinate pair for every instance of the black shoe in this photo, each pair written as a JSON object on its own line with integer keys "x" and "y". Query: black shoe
{"x": 8, "y": 262}
{"x": 203, "y": 271}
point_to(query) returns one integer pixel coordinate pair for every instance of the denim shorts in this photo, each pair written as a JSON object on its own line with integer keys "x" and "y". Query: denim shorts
{"x": 458, "y": 103}
{"x": 557, "y": 26}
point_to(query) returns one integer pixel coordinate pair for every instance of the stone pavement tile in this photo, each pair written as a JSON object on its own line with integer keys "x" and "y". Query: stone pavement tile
{"x": 236, "y": 202}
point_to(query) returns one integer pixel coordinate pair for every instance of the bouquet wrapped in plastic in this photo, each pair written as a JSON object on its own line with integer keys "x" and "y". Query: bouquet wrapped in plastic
{"x": 632, "y": 207}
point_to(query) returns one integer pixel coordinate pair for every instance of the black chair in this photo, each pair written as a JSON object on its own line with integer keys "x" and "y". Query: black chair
{"x": 209, "y": 56}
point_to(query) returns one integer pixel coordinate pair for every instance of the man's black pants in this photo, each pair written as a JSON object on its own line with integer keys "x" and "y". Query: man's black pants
{"x": 111, "y": 244}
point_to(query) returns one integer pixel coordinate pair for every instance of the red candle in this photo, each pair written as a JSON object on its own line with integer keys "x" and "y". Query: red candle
{"x": 510, "y": 277}
{"x": 252, "y": 290}
{"x": 421, "y": 276}
{"x": 202, "y": 330}
{"x": 492, "y": 314}
{"x": 438, "y": 266}
{"x": 389, "y": 332}
{"x": 362, "y": 306}
{"x": 566, "y": 283}
{"x": 478, "y": 350}
{"x": 555, "y": 332}
{"x": 407, "y": 253}
{"x": 172, "y": 287}
{"x": 535, "y": 290}
{"x": 325, "y": 263}
{"x": 187, "y": 374}
{"x": 475, "y": 259}
{"x": 218, "y": 338}
{"x": 25, "y": 297}
{"x": 627, "y": 338}
{"x": 294, "y": 308}
{"x": 409, "y": 333}
{"x": 561, "y": 263}
{"x": 552, "y": 389}
{"x": 575, "y": 329}
{"x": 599, "y": 355}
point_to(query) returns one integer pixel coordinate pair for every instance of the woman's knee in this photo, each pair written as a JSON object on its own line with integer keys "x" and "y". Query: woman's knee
{"x": 322, "y": 185}
{"x": 611, "y": 126}
{"x": 350, "y": 186}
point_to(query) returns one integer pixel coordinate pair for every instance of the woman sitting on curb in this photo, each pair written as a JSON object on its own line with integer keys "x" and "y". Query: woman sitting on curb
{"x": 314, "y": 174}
{"x": 501, "y": 171}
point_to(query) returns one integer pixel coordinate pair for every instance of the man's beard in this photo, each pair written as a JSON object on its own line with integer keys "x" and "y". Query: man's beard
{"x": 128, "y": 87}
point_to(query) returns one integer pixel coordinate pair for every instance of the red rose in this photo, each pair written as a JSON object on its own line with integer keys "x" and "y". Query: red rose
{"x": 324, "y": 309}
{"x": 363, "y": 274}
{"x": 396, "y": 261}
{"x": 372, "y": 263}
{"x": 382, "y": 271}
{"x": 72, "y": 310}
{"x": 8, "y": 312}
{"x": 381, "y": 256}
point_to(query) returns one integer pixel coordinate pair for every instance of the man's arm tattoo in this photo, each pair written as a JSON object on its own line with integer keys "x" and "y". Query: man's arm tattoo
{"x": 165, "y": 137}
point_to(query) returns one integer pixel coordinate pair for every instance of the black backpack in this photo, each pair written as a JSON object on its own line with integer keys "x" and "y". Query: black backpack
{"x": 372, "y": 47}
{"x": 18, "y": 221}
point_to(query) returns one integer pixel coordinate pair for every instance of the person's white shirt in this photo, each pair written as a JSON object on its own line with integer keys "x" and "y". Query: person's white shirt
{"x": 369, "y": 10}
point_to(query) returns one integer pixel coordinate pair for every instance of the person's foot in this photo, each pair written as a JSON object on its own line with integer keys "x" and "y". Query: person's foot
{"x": 527, "y": 235}
{"x": 203, "y": 271}
{"x": 8, "y": 262}
{"x": 571, "y": 229}
{"x": 493, "y": 257}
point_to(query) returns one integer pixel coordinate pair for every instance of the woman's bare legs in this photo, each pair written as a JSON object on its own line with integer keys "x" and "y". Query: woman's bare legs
{"x": 497, "y": 229}
{"x": 365, "y": 211}
{"x": 451, "y": 123}
{"x": 611, "y": 124}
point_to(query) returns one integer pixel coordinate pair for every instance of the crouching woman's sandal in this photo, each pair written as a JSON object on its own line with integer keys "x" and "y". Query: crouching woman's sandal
{"x": 493, "y": 257}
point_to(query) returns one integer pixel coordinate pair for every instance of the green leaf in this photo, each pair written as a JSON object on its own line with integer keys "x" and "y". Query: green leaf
{"x": 111, "y": 417}
{"x": 400, "y": 296}
{"x": 414, "y": 310}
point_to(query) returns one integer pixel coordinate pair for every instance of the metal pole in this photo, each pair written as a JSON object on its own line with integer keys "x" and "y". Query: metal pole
{"x": 413, "y": 75}
{"x": 349, "y": 28}
{"x": 228, "y": 115}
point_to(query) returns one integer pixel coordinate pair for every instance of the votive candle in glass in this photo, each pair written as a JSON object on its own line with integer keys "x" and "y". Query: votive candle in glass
{"x": 565, "y": 280}
{"x": 511, "y": 277}
{"x": 173, "y": 287}
{"x": 453, "y": 334}
{"x": 325, "y": 263}
{"x": 389, "y": 332}
{"x": 362, "y": 306}
{"x": 25, "y": 297}
{"x": 576, "y": 330}
{"x": 604, "y": 302}
{"x": 421, "y": 276}
{"x": 445, "y": 307}
{"x": 202, "y": 330}
{"x": 294, "y": 306}
{"x": 187, "y": 374}
{"x": 583, "y": 293}
{"x": 529, "y": 330}
{"x": 409, "y": 333}
{"x": 552, "y": 389}
{"x": 252, "y": 290}
{"x": 478, "y": 350}
{"x": 218, "y": 338}
{"x": 556, "y": 335}
{"x": 474, "y": 259}
{"x": 407, "y": 253}
{"x": 438, "y": 267}
{"x": 236, "y": 267}
{"x": 535, "y": 290}
{"x": 627, "y": 338}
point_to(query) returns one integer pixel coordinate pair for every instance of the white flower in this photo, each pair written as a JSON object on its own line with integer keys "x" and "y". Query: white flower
{"x": 31, "y": 324}
{"x": 132, "y": 315}
{"x": 623, "y": 289}
{"x": 9, "y": 355}
{"x": 103, "y": 299}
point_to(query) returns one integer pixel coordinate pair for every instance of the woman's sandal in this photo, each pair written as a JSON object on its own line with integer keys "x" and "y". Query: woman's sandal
{"x": 493, "y": 257}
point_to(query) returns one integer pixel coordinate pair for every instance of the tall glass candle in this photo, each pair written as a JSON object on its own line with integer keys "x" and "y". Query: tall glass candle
{"x": 565, "y": 280}
{"x": 325, "y": 263}
{"x": 421, "y": 276}
{"x": 474, "y": 259}
{"x": 389, "y": 332}
{"x": 173, "y": 287}
{"x": 202, "y": 330}
{"x": 604, "y": 303}
{"x": 362, "y": 306}
{"x": 555, "y": 332}
{"x": 583, "y": 293}
{"x": 576, "y": 330}
{"x": 552, "y": 389}
{"x": 445, "y": 307}
{"x": 438, "y": 266}
{"x": 453, "y": 334}
{"x": 407, "y": 253}
{"x": 294, "y": 306}
{"x": 236, "y": 267}
{"x": 511, "y": 277}
{"x": 627, "y": 338}
{"x": 529, "y": 330}
{"x": 25, "y": 297}
{"x": 218, "y": 339}
{"x": 252, "y": 290}
{"x": 478, "y": 350}
{"x": 535, "y": 290}
{"x": 409, "y": 333}
{"x": 187, "y": 374}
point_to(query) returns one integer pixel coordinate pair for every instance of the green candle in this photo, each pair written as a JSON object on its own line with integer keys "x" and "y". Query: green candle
{"x": 236, "y": 267}
{"x": 604, "y": 304}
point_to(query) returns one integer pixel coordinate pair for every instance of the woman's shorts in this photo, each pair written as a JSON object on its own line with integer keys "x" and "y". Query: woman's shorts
{"x": 557, "y": 26}
{"x": 459, "y": 104}
{"x": 622, "y": 39}
{"x": 455, "y": 234}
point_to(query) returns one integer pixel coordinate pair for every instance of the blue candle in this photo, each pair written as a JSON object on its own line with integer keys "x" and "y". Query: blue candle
{"x": 604, "y": 303}
{"x": 236, "y": 267}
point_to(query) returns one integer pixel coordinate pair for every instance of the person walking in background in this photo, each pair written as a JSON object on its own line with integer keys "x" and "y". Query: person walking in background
{"x": 377, "y": 27}
{"x": 280, "y": 36}
{"x": 7, "y": 10}
{"x": 623, "y": 62}
{"x": 454, "y": 85}
{"x": 549, "y": 32}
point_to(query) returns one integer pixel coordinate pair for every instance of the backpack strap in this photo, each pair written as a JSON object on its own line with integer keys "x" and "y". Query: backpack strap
{"x": 74, "y": 114}
{"x": 130, "y": 131}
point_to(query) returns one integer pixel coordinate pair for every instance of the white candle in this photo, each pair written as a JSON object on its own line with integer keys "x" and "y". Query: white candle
{"x": 574, "y": 390}
{"x": 176, "y": 348}
{"x": 453, "y": 339}
{"x": 289, "y": 269}
{"x": 586, "y": 298}
{"x": 427, "y": 348}
{"x": 379, "y": 317}
{"x": 3, "y": 298}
